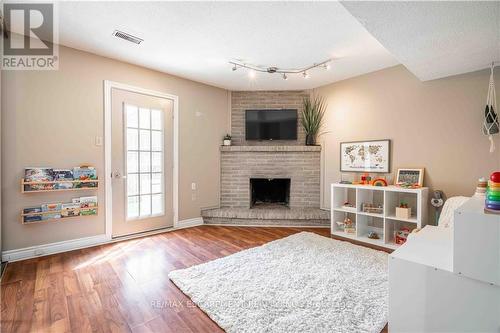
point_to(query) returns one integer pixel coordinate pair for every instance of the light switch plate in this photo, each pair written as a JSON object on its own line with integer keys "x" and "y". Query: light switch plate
{"x": 193, "y": 186}
{"x": 98, "y": 141}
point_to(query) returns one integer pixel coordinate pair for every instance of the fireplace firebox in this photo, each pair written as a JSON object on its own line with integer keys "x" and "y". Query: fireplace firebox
{"x": 269, "y": 192}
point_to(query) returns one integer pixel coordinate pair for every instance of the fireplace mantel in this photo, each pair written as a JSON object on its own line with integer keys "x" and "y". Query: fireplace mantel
{"x": 270, "y": 148}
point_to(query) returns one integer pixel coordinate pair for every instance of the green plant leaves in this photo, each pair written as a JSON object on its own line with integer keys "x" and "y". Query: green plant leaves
{"x": 312, "y": 114}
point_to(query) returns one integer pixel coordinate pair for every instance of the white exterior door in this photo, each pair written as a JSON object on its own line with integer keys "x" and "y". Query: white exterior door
{"x": 142, "y": 162}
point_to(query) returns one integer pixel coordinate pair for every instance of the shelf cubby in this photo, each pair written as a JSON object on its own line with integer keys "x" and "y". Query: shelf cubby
{"x": 384, "y": 224}
{"x": 339, "y": 216}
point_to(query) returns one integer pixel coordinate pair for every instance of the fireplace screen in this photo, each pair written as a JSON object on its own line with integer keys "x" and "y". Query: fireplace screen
{"x": 269, "y": 192}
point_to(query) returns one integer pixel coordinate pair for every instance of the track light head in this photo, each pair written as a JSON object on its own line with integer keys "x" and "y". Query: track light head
{"x": 285, "y": 77}
{"x": 327, "y": 66}
{"x": 305, "y": 75}
{"x": 234, "y": 68}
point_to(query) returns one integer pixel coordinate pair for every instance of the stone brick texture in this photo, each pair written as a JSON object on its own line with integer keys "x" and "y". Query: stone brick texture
{"x": 302, "y": 167}
{"x": 246, "y": 100}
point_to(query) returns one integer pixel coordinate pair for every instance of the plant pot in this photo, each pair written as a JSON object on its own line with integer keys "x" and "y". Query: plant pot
{"x": 310, "y": 140}
{"x": 226, "y": 142}
{"x": 403, "y": 213}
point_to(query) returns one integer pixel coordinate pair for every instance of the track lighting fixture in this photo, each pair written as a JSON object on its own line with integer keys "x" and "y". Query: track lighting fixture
{"x": 253, "y": 69}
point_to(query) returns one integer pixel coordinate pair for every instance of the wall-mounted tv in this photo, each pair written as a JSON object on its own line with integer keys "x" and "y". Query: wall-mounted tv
{"x": 271, "y": 124}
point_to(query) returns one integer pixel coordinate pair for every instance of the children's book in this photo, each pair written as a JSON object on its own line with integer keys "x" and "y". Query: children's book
{"x": 38, "y": 175}
{"x": 32, "y": 210}
{"x": 70, "y": 209}
{"x": 53, "y": 207}
{"x": 88, "y": 202}
{"x": 32, "y": 218}
{"x": 86, "y": 212}
{"x": 84, "y": 173}
{"x": 63, "y": 174}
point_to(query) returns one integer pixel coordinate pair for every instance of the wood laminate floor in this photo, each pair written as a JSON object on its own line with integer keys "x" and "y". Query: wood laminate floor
{"x": 121, "y": 287}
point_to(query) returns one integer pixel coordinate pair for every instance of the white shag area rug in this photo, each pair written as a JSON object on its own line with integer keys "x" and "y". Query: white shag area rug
{"x": 301, "y": 283}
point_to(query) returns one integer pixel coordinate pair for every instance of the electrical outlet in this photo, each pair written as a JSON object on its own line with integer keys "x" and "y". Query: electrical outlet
{"x": 39, "y": 252}
{"x": 193, "y": 186}
{"x": 98, "y": 141}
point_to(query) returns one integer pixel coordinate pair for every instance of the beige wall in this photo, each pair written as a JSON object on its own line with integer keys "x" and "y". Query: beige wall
{"x": 434, "y": 124}
{"x": 51, "y": 119}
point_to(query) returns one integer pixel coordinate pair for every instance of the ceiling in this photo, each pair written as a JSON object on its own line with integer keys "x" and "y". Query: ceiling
{"x": 434, "y": 39}
{"x": 195, "y": 40}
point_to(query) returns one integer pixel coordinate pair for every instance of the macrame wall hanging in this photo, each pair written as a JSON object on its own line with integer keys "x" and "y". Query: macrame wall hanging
{"x": 490, "y": 124}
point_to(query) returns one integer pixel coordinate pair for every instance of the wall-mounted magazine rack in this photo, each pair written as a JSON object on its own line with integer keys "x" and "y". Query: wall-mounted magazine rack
{"x": 59, "y": 185}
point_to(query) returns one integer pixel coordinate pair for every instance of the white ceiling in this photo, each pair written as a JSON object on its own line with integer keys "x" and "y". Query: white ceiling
{"x": 195, "y": 40}
{"x": 434, "y": 39}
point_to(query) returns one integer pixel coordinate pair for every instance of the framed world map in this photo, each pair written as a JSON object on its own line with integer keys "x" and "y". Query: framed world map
{"x": 365, "y": 156}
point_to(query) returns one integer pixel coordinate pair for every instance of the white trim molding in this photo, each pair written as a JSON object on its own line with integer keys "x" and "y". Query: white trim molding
{"x": 268, "y": 225}
{"x": 189, "y": 223}
{"x": 108, "y": 86}
{"x": 52, "y": 248}
{"x": 81, "y": 243}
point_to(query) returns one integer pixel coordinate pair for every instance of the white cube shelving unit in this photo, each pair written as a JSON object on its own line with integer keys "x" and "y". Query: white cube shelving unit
{"x": 384, "y": 224}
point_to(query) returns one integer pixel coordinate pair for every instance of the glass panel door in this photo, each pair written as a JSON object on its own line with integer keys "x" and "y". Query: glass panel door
{"x": 144, "y": 148}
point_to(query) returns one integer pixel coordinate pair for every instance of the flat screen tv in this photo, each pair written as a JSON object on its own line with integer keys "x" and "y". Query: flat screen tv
{"x": 271, "y": 124}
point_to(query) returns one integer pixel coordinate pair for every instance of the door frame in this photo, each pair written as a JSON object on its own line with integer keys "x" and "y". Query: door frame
{"x": 108, "y": 86}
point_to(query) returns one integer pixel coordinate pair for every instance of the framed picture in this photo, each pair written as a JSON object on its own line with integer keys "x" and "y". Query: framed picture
{"x": 365, "y": 156}
{"x": 410, "y": 176}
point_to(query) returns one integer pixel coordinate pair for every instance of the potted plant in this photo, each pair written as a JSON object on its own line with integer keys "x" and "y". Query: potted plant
{"x": 312, "y": 117}
{"x": 227, "y": 140}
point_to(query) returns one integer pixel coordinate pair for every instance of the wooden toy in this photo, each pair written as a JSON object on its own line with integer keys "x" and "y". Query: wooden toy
{"x": 494, "y": 185}
{"x": 403, "y": 211}
{"x": 401, "y": 236}
{"x": 349, "y": 226}
{"x": 379, "y": 182}
{"x": 495, "y": 177}
{"x": 365, "y": 179}
{"x": 492, "y": 202}
{"x": 371, "y": 208}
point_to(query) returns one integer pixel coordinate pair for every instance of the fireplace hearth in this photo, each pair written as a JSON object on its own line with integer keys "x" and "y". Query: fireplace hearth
{"x": 269, "y": 192}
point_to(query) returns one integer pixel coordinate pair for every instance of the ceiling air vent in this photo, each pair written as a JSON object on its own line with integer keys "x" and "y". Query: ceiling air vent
{"x": 127, "y": 37}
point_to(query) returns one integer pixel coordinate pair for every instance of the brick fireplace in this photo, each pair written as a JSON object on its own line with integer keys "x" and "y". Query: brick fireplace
{"x": 290, "y": 165}
{"x": 300, "y": 164}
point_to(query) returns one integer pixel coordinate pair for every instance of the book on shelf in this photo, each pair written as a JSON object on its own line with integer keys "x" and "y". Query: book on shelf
{"x": 70, "y": 209}
{"x": 86, "y": 212}
{"x": 85, "y": 173}
{"x": 63, "y": 175}
{"x": 32, "y": 218}
{"x": 87, "y": 202}
{"x": 53, "y": 207}
{"x": 33, "y": 174}
{"x": 32, "y": 210}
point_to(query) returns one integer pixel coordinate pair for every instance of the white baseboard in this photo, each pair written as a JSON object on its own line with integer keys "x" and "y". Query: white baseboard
{"x": 189, "y": 223}
{"x": 80, "y": 243}
{"x": 52, "y": 248}
{"x": 268, "y": 225}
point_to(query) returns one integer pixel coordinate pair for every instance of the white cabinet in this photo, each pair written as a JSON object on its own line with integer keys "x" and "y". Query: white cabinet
{"x": 476, "y": 251}
{"x": 447, "y": 279}
{"x": 384, "y": 223}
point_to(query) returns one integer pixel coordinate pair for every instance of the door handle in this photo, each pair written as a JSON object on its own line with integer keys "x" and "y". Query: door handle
{"x": 118, "y": 175}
